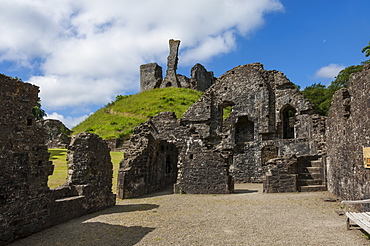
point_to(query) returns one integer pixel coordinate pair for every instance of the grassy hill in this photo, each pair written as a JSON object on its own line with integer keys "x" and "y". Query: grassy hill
{"x": 118, "y": 118}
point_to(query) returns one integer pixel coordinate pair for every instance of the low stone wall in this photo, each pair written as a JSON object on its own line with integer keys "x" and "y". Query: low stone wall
{"x": 281, "y": 175}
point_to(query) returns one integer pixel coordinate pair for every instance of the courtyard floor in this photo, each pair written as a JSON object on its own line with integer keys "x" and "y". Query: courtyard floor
{"x": 248, "y": 217}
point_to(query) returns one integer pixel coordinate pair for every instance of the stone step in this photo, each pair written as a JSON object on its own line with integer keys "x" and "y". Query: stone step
{"x": 310, "y": 176}
{"x": 310, "y": 188}
{"x": 317, "y": 163}
{"x": 310, "y": 170}
{"x": 305, "y": 182}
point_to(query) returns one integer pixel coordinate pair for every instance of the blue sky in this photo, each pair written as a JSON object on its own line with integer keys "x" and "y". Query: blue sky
{"x": 84, "y": 53}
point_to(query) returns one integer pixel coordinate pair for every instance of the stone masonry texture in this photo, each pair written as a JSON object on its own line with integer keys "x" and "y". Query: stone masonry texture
{"x": 57, "y": 133}
{"x": 348, "y": 127}
{"x": 27, "y": 204}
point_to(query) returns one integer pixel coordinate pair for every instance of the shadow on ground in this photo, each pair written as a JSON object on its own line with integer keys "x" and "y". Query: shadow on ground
{"x": 87, "y": 233}
{"x": 126, "y": 208}
{"x": 80, "y": 231}
{"x": 168, "y": 190}
{"x": 244, "y": 191}
{"x": 97, "y": 233}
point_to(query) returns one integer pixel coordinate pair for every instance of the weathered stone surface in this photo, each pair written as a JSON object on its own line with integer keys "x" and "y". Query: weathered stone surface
{"x": 201, "y": 79}
{"x": 24, "y": 163}
{"x": 88, "y": 187}
{"x": 348, "y": 127}
{"x": 27, "y": 205}
{"x": 151, "y": 161}
{"x": 281, "y": 175}
{"x": 150, "y": 76}
{"x": 171, "y": 79}
{"x": 56, "y": 133}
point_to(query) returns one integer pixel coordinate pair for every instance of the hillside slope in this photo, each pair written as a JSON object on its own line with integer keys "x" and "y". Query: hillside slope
{"x": 118, "y": 118}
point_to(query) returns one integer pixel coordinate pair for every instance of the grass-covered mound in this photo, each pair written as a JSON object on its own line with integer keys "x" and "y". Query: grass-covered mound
{"x": 118, "y": 118}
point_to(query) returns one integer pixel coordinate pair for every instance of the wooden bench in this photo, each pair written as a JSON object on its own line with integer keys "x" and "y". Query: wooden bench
{"x": 361, "y": 219}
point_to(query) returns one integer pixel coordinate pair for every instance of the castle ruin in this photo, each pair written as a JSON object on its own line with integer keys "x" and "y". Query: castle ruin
{"x": 247, "y": 117}
{"x": 250, "y": 125}
{"x": 151, "y": 74}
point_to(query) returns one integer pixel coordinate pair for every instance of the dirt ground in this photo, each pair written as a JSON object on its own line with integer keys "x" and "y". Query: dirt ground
{"x": 248, "y": 217}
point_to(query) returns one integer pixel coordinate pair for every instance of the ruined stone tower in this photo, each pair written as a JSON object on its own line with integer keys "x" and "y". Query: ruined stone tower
{"x": 151, "y": 74}
{"x": 171, "y": 78}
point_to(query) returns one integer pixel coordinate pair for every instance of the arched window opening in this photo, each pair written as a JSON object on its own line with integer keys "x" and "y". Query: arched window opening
{"x": 226, "y": 110}
{"x": 288, "y": 120}
{"x": 169, "y": 84}
{"x": 244, "y": 130}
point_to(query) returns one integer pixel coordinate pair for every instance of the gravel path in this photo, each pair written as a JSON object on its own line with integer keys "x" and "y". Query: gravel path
{"x": 248, "y": 217}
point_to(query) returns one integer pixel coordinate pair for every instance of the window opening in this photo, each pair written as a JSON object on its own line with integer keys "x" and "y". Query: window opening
{"x": 244, "y": 130}
{"x": 288, "y": 119}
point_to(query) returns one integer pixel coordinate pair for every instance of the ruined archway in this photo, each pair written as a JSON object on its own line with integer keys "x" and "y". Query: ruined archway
{"x": 288, "y": 119}
{"x": 154, "y": 169}
{"x": 162, "y": 164}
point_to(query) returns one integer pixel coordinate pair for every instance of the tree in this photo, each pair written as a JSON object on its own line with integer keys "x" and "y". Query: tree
{"x": 320, "y": 96}
{"x": 341, "y": 80}
{"x": 38, "y": 112}
{"x": 366, "y": 50}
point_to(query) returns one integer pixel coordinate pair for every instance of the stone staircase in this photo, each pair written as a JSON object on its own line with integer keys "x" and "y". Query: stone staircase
{"x": 311, "y": 176}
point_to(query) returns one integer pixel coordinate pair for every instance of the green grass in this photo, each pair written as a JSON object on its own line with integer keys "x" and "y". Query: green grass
{"x": 58, "y": 156}
{"x": 119, "y": 118}
{"x": 116, "y": 158}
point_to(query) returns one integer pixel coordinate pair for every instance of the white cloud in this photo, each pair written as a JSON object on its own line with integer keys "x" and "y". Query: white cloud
{"x": 68, "y": 121}
{"x": 330, "y": 71}
{"x": 88, "y": 51}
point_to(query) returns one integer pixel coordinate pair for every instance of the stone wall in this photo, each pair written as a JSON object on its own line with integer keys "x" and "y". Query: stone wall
{"x": 88, "y": 187}
{"x": 348, "y": 127}
{"x": 57, "y": 133}
{"x": 24, "y": 163}
{"x": 150, "y": 76}
{"x": 150, "y": 162}
{"x": 266, "y": 110}
{"x": 163, "y": 153}
{"x": 203, "y": 170}
{"x": 27, "y": 204}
